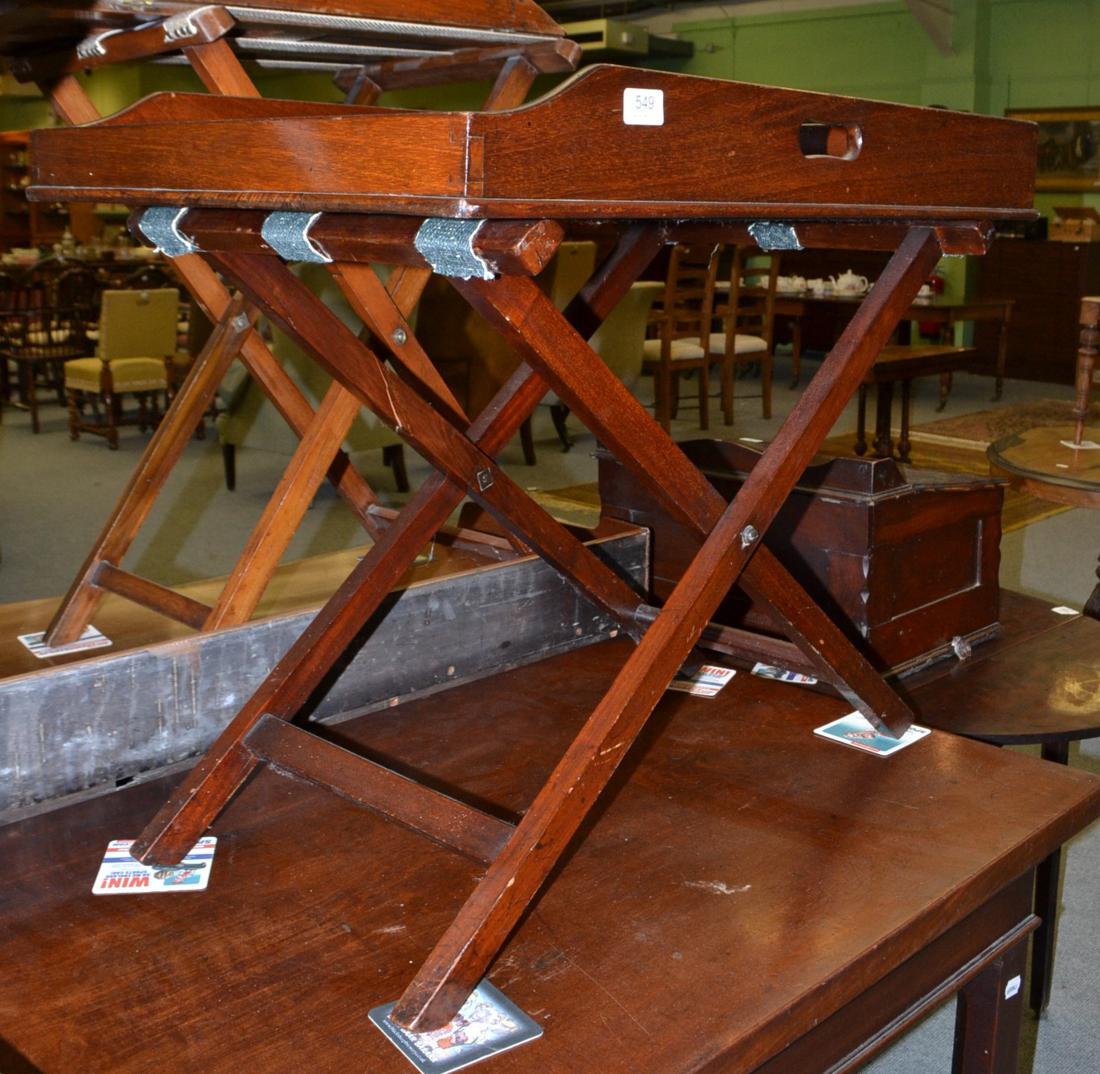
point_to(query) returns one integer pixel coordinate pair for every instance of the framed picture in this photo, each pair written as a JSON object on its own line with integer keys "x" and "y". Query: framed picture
{"x": 1069, "y": 147}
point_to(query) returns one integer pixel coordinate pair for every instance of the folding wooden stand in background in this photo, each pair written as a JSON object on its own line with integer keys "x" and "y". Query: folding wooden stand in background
{"x": 203, "y": 39}
{"x": 517, "y": 175}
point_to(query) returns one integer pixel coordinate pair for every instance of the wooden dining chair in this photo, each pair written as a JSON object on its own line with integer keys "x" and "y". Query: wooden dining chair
{"x": 747, "y": 313}
{"x": 37, "y": 336}
{"x": 136, "y": 343}
{"x": 681, "y": 323}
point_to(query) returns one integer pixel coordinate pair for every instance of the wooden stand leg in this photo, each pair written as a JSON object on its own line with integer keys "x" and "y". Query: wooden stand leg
{"x": 946, "y": 381}
{"x": 303, "y": 476}
{"x": 988, "y": 1017}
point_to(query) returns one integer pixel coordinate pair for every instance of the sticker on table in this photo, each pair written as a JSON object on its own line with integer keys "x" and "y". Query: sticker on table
{"x": 644, "y": 107}
{"x": 1085, "y": 445}
{"x": 706, "y": 682}
{"x": 770, "y": 671}
{"x": 487, "y": 1023}
{"x": 856, "y": 731}
{"x": 1065, "y": 609}
{"x": 90, "y": 639}
{"x": 121, "y": 874}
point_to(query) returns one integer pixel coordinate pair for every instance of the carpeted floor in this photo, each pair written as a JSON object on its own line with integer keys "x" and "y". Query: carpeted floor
{"x": 983, "y": 427}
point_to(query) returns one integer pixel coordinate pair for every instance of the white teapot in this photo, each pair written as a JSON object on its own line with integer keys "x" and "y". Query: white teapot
{"x": 850, "y": 282}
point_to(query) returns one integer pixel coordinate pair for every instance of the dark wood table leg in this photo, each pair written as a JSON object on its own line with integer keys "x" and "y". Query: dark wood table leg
{"x": 884, "y": 405}
{"x": 903, "y": 440}
{"x": 796, "y": 350}
{"x": 946, "y": 380}
{"x": 988, "y": 1016}
{"x": 861, "y": 421}
{"x": 1002, "y": 354}
{"x": 1092, "y": 605}
{"x": 1047, "y": 899}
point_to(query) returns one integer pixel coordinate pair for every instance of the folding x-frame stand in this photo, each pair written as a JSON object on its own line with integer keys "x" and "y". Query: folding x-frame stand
{"x": 731, "y": 552}
{"x": 322, "y": 432}
{"x": 502, "y": 168}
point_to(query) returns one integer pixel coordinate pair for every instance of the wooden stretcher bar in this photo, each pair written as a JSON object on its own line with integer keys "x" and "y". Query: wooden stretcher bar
{"x": 521, "y": 164}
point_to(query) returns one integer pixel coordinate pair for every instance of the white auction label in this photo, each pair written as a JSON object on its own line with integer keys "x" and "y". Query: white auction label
{"x": 644, "y": 107}
{"x": 1012, "y": 987}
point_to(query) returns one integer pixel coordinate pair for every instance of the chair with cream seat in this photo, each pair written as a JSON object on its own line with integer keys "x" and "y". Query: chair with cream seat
{"x": 682, "y": 323}
{"x": 747, "y": 313}
{"x": 136, "y": 343}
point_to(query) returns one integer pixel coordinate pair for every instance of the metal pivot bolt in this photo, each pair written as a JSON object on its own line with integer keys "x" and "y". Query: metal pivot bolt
{"x": 399, "y": 336}
{"x": 749, "y": 536}
{"x": 484, "y": 478}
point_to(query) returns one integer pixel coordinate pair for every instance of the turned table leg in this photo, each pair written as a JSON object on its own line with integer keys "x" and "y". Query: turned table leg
{"x": 884, "y": 406}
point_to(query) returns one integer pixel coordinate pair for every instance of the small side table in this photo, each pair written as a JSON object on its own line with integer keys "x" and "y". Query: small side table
{"x": 1038, "y": 684}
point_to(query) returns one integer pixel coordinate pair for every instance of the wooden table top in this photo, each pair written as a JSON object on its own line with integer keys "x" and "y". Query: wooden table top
{"x": 742, "y": 881}
{"x": 1040, "y": 462}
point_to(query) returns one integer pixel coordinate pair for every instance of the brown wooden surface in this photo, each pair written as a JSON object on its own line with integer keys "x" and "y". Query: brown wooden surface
{"x": 706, "y": 921}
{"x": 915, "y": 163}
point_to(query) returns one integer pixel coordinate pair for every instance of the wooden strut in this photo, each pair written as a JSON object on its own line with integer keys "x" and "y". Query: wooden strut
{"x": 469, "y": 945}
{"x": 321, "y": 433}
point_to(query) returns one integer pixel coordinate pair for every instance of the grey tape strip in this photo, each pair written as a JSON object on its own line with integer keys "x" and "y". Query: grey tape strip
{"x": 288, "y": 235}
{"x": 161, "y": 226}
{"x": 448, "y": 246}
{"x": 772, "y": 236}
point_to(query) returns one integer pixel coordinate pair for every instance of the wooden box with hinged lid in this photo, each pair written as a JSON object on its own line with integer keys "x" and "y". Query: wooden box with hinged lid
{"x": 904, "y": 559}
